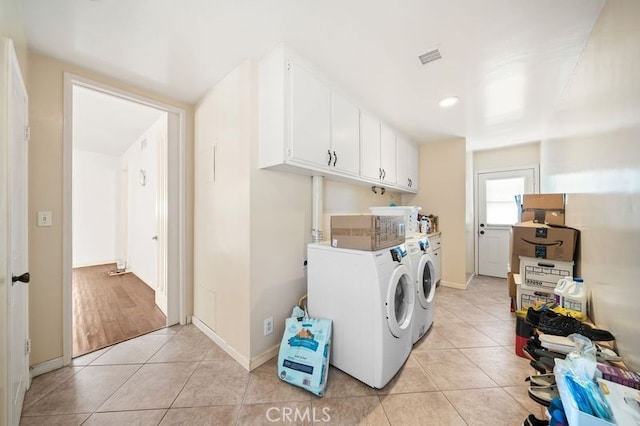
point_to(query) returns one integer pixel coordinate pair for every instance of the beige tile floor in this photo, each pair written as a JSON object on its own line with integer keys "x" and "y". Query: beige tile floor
{"x": 463, "y": 372}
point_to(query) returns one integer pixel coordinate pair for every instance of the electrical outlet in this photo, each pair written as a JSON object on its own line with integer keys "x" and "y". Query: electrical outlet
{"x": 268, "y": 326}
{"x": 44, "y": 218}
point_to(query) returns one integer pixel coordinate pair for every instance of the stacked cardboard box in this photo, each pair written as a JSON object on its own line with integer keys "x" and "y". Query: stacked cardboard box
{"x": 543, "y": 208}
{"x": 541, "y": 253}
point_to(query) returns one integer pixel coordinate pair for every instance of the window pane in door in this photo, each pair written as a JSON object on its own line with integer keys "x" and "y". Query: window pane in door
{"x": 500, "y": 202}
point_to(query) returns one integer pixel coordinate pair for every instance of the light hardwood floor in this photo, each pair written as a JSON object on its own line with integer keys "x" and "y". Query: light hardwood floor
{"x": 108, "y": 310}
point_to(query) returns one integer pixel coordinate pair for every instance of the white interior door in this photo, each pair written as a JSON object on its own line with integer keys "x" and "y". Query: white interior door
{"x": 161, "y": 236}
{"x": 18, "y": 360}
{"x": 497, "y": 212}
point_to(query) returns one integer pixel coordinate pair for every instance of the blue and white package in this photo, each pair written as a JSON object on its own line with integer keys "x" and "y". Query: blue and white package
{"x": 303, "y": 359}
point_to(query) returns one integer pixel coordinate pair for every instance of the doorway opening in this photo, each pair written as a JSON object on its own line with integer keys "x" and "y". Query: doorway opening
{"x": 123, "y": 258}
{"x": 497, "y": 212}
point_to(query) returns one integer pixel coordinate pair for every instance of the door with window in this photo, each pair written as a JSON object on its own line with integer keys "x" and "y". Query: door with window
{"x": 497, "y": 212}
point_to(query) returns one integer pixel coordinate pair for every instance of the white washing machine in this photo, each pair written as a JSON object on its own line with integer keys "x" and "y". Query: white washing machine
{"x": 424, "y": 275}
{"x": 369, "y": 295}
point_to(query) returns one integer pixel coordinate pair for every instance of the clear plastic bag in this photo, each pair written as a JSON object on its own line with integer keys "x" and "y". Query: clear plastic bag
{"x": 577, "y": 371}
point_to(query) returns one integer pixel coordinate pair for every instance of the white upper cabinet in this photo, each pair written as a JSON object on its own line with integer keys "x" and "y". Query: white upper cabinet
{"x": 407, "y": 164}
{"x": 310, "y": 118}
{"x": 345, "y": 135}
{"x": 304, "y": 124}
{"x": 369, "y": 147}
{"x": 388, "y": 155}
{"x": 377, "y": 150}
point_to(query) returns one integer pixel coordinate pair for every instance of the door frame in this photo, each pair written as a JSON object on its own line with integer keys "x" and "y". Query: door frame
{"x": 177, "y": 310}
{"x": 476, "y": 202}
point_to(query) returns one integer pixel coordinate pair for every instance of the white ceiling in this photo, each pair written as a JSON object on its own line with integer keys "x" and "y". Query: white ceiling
{"x": 108, "y": 124}
{"x": 507, "y": 60}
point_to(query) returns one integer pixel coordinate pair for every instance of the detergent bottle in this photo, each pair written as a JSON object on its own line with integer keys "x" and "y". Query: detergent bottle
{"x": 575, "y": 298}
{"x": 561, "y": 288}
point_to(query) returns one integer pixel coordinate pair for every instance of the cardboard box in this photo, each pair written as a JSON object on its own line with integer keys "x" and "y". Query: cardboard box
{"x": 367, "y": 232}
{"x": 538, "y": 273}
{"x": 512, "y": 285}
{"x": 543, "y": 208}
{"x": 547, "y": 242}
{"x": 515, "y": 264}
{"x": 619, "y": 375}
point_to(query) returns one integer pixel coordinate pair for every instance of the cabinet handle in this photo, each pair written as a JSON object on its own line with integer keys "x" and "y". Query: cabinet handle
{"x": 335, "y": 158}
{"x": 379, "y": 173}
{"x": 410, "y": 183}
{"x": 384, "y": 173}
{"x": 329, "y": 152}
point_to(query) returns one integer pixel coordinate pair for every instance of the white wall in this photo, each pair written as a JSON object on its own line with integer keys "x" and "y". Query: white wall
{"x": 508, "y": 157}
{"x": 223, "y": 128}
{"x": 96, "y": 208}
{"x": 592, "y": 152}
{"x": 141, "y": 202}
{"x": 442, "y": 192}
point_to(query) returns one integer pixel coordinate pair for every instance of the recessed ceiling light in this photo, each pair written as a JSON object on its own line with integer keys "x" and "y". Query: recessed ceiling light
{"x": 449, "y": 101}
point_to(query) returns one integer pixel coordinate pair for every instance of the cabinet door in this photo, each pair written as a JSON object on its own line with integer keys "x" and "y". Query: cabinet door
{"x": 369, "y": 147}
{"x": 402, "y": 162}
{"x": 309, "y": 114}
{"x": 388, "y": 154}
{"x": 345, "y": 135}
{"x": 413, "y": 159}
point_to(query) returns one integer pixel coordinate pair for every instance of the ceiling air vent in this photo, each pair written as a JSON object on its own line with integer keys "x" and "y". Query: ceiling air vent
{"x": 430, "y": 56}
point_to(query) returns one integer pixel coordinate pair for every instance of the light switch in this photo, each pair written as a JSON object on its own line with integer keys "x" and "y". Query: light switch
{"x": 44, "y": 218}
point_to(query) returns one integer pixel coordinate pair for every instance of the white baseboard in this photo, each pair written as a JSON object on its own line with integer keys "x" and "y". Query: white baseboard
{"x": 241, "y": 359}
{"x": 264, "y": 357}
{"x": 449, "y": 284}
{"x": 469, "y": 280}
{"x": 45, "y": 367}
{"x": 248, "y": 364}
{"x": 93, "y": 263}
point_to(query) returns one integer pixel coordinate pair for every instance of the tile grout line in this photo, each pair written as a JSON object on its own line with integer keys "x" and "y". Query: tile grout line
{"x": 53, "y": 388}
{"x": 244, "y": 396}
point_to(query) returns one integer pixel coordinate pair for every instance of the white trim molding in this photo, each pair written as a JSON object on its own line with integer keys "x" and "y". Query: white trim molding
{"x": 177, "y": 301}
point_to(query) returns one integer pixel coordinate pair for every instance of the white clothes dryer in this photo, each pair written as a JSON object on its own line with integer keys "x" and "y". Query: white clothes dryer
{"x": 425, "y": 284}
{"x": 369, "y": 296}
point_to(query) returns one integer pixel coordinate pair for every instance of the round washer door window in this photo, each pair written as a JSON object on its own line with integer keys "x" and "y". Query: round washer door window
{"x": 400, "y": 300}
{"x": 426, "y": 278}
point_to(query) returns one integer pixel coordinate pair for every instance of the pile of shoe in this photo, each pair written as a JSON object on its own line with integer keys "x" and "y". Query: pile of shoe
{"x": 542, "y": 359}
{"x": 550, "y": 322}
{"x": 556, "y": 411}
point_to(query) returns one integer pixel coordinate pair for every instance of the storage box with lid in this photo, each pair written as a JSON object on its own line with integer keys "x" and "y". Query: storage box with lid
{"x": 543, "y": 273}
{"x": 543, "y": 208}
{"x": 367, "y": 232}
{"x": 528, "y": 296}
{"x": 547, "y": 242}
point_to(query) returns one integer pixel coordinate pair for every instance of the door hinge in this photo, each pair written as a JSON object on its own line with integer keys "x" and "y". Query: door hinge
{"x": 27, "y": 133}
{"x": 27, "y": 349}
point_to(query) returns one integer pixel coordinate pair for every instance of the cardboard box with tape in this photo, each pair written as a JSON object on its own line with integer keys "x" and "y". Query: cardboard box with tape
{"x": 543, "y": 241}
